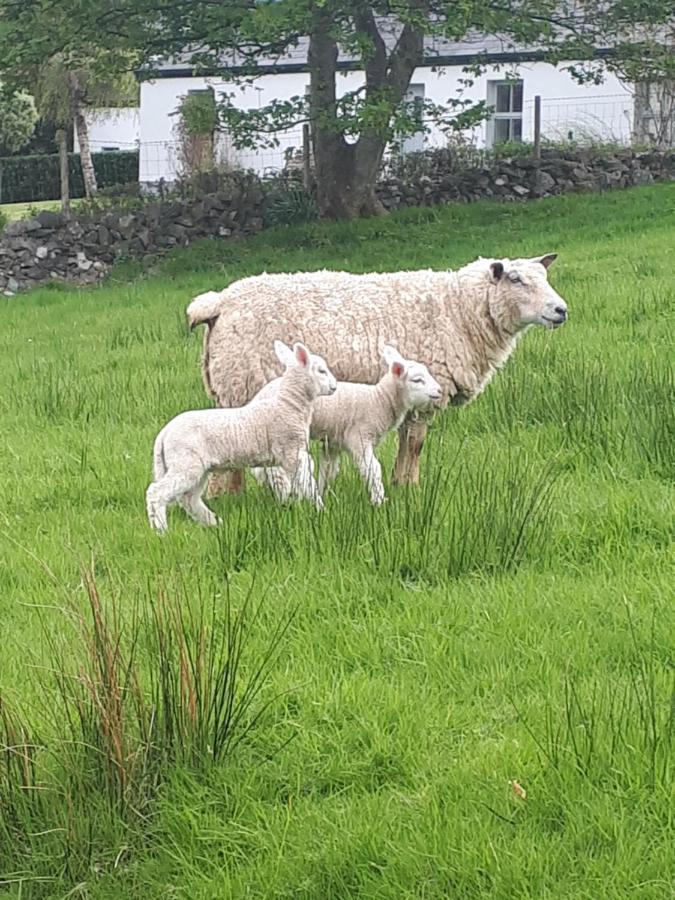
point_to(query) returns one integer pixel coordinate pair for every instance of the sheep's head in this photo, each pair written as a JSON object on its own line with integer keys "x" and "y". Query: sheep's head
{"x": 418, "y": 387}
{"x": 523, "y": 296}
{"x": 320, "y": 381}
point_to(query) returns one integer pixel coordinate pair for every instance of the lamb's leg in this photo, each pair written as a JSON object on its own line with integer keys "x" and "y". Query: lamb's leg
{"x": 329, "y": 467}
{"x": 167, "y": 490}
{"x": 411, "y": 437}
{"x": 276, "y": 479}
{"x": 195, "y": 507}
{"x": 371, "y": 471}
{"x": 301, "y": 476}
{"x": 226, "y": 483}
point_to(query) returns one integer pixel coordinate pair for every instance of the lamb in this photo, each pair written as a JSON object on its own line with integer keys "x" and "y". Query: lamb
{"x": 357, "y": 417}
{"x": 465, "y": 324}
{"x": 268, "y": 431}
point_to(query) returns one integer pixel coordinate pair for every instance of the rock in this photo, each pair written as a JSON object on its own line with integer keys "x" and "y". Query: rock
{"x": 48, "y": 219}
{"x": 83, "y": 264}
{"x": 103, "y": 236}
{"x": 12, "y": 285}
{"x": 42, "y": 252}
{"x": 224, "y": 232}
{"x": 542, "y": 183}
{"x": 502, "y": 181}
{"x": 520, "y": 190}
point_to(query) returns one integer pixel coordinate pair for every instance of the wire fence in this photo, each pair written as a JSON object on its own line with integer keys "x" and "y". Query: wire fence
{"x": 601, "y": 119}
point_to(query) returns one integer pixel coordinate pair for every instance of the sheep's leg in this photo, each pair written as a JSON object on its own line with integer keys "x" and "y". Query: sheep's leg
{"x": 302, "y": 479}
{"x": 329, "y": 468}
{"x": 411, "y": 437}
{"x": 195, "y": 507}
{"x": 226, "y": 483}
{"x": 371, "y": 471}
{"x": 167, "y": 490}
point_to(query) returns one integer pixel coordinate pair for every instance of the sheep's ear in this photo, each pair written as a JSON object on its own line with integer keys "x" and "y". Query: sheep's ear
{"x": 301, "y": 354}
{"x": 398, "y": 368}
{"x": 547, "y": 260}
{"x": 496, "y": 270}
{"x": 284, "y": 354}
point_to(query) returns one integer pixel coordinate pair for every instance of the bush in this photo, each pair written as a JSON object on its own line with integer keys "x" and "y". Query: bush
{"x": 291, "y": 206}
{"x": 3, "y": 221}
{"x": 26, "y": 179}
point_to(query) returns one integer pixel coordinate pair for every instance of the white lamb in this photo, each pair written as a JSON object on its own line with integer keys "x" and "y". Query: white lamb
{"x": 271, "y": 430}
{"x": 357, "y": 417}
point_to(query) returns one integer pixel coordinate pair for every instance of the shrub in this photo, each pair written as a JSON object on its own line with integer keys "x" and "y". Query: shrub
{"x": 291, "y": 206}
{"x": 3, "y": 221}
{"x": 26, "y": 179}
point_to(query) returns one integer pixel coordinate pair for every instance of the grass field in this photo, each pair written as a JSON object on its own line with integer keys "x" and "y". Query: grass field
{"x": 510, "y": 621}
{"x": 21, "y": 210}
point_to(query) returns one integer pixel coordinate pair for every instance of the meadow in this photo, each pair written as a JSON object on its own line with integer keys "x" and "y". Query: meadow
{"x": 467, "y": 693}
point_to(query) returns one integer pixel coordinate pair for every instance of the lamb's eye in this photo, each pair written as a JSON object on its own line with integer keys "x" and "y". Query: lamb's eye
{"x": 515, "y": 277}
{"x": 418, "y": 380}
{"x": 322, "y": 371}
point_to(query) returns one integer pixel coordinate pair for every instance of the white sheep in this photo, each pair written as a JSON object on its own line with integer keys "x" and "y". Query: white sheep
{"x": 357, "y": 417}
{"x": 272, "y": 430}
{"x": 463, "y": 324}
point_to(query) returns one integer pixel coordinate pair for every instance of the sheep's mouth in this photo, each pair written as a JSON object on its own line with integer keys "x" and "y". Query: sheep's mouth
{"x": 554, "y": 323}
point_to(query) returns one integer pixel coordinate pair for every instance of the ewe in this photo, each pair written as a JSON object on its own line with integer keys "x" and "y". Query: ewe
{"x": 357, "y": 417}
{"x": 465, "y": 324}
{"x": 269, "y": 431}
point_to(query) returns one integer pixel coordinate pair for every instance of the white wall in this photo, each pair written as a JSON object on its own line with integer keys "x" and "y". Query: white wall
{"x": 603, "y": 111}
{"x": 113, "y": 128}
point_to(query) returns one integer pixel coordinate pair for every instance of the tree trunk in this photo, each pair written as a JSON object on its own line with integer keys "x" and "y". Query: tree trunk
{"x": 88, "y": 173}
{"x": 63, "y": 166}
{"x": 346, "y": 173}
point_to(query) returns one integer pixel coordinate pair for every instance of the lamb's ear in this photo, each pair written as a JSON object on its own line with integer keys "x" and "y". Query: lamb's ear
{"x": 390, "y": 354}
{"x": 284, "y": 354}
{"x": 496, "y": 270}
{"x": 397, "y": 367}
{"x": 301, "y": 354}
{"x": 547, "y": 260}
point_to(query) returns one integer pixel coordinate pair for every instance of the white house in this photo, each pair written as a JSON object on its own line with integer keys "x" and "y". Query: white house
{"x": 509, "y": 84}
{"x": 112, "y": 129}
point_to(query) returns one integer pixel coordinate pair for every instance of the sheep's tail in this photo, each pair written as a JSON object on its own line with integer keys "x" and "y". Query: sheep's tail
{"x": 159, "y": 468}
{"x": 204, "y": 310}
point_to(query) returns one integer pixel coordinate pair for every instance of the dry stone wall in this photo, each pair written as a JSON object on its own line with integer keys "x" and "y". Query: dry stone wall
{"x": 81, "y": 249}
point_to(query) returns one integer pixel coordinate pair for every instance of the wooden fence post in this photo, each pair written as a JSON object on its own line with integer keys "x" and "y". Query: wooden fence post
{"x": 306, "y": 168}
{"x": 537, "y": 127}
{"x": 63, "y": 160}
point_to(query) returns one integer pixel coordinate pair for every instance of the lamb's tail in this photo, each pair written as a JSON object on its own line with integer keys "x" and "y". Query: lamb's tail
{"x": 204, "y": 310}
{"x": 159, "y": 468}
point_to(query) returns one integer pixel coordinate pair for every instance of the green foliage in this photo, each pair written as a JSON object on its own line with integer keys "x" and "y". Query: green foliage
{"x": 18, "y": 118}
{"x": 24, "y": 179}
{"x": 199, "y": 114}
{"x": 3, "y": 220}
{"x": 290, "y": 205}
{"x": 509, "y": 620}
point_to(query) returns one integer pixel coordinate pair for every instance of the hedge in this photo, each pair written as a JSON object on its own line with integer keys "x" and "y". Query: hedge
{"x": 26, "y": 179}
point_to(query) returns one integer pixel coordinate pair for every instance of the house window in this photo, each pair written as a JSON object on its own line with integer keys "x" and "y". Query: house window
{"x": 506, "y": 124}
{"x": 110, "y": 149}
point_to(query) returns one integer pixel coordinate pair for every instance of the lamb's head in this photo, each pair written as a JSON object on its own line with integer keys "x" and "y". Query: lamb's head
{"x": 522, "y": 294}
{"x": 317, "y": 379}
{"x": 418, "y": 389}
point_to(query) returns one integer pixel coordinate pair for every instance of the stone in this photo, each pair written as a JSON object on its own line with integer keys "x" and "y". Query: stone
{"x": 12, "y": 285}
{"x": 48, "y": 219}
{"x": 224, "y": 232}
{"x": 103, "y": 236}
{"x": 542, "y": 183}
{"x": 83, "y": 264}
{"x": 42, "y": 252}
{"x": 501, "y": 181}
{"x": 520, "y": 190}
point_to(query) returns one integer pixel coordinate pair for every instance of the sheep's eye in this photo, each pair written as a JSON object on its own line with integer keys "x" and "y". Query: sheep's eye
{"x": 322, "y": 371}
{"x": 514, "y": 276}
{"x": 418, "y": 380}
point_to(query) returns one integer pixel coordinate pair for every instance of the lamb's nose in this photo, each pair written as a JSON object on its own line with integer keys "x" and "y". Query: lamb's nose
{"x": 561, "y": 311}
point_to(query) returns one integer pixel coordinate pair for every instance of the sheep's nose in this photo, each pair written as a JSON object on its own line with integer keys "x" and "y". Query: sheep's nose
{"x": 561, "y": 311}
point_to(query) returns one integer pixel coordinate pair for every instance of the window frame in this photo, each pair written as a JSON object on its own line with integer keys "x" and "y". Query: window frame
{"x": 511, "y": 115}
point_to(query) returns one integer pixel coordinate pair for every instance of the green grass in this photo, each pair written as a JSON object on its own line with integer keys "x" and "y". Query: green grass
{"x": 23, "y": 210}
{"x": 511, "y": 620}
